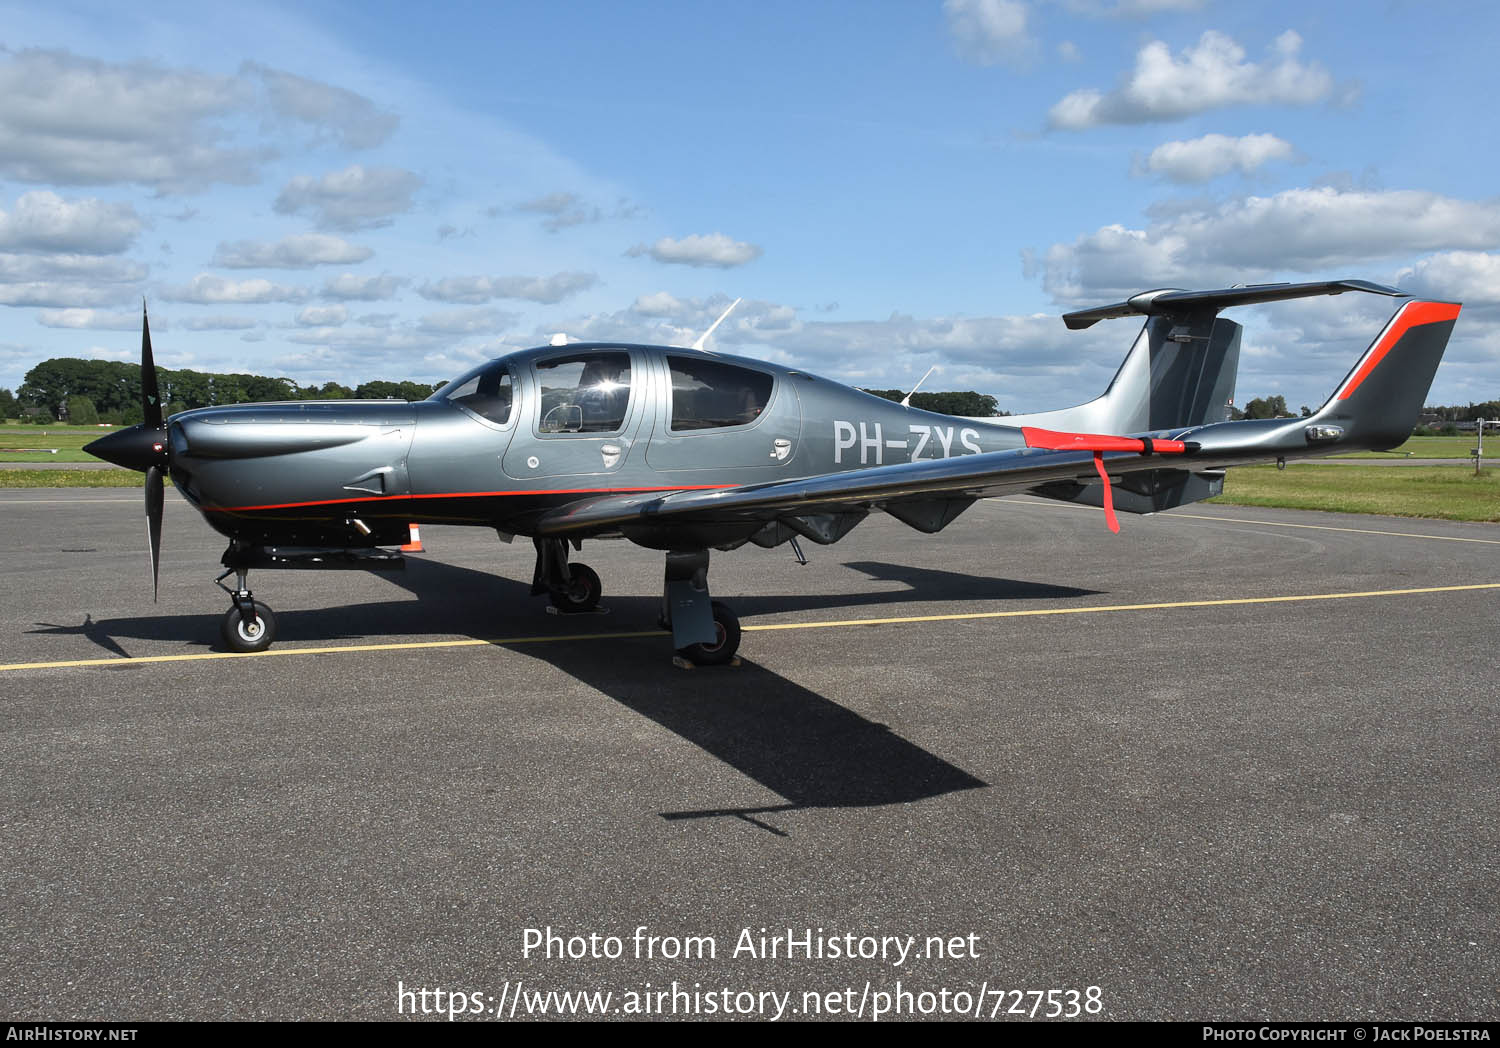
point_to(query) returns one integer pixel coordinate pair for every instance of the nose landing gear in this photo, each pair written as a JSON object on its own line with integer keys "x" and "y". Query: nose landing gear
{"x": 248, "y": 625}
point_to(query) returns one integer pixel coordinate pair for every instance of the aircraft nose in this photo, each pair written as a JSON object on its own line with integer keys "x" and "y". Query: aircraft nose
{"x": 135, "y": 448}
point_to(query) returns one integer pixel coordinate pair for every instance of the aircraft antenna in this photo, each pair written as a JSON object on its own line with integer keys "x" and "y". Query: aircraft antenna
{"x": 704, "y": 337}
{"x": 906, "y": 400}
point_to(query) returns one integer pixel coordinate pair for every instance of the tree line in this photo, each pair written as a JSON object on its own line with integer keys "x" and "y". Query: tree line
{"x": 968, "y": 403}
{"x": 83, "y": 392}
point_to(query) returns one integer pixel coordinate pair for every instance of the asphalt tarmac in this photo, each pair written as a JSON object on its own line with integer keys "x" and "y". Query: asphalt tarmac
{"x": 1229, "y": 764}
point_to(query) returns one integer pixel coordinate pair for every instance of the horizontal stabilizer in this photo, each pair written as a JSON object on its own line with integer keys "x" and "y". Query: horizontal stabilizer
{"x": 1169, "y": 301}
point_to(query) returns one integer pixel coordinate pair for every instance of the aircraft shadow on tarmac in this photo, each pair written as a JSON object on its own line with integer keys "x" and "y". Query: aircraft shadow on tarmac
{"x": 794, "y": 742}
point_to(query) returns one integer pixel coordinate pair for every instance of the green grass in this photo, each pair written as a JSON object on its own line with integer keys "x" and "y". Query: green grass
{"x": 1433, "y": 448}
{"x": 69, "y": 440}
{"x": 72, "y": 478}
{"x": 1444, "y": 492}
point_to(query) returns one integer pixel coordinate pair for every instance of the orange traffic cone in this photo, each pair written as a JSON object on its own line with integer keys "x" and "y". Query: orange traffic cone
{"x": 415, "y": 545}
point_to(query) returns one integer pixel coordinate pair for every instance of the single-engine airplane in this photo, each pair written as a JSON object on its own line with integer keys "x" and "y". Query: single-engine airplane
{"x": 687, "y": 451}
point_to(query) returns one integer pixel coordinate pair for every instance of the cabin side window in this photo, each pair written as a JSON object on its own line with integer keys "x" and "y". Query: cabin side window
{"x": 588, "y": 393}
{"x": 710, "y": 394}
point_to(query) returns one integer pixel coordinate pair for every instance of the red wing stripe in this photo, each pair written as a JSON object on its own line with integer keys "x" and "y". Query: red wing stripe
{"x": 1413, "y": 314}
{"x": 465, "y": 495}
{"x": 1052, "y": 440}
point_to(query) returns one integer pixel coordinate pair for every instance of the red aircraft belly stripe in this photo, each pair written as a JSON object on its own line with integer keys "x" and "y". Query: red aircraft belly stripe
{"x": 464, "y": 495}
{"x": 1413, "y": 314}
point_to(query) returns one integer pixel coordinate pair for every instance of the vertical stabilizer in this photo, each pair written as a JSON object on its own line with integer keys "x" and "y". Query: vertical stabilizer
{"x": 1180, "y": 372}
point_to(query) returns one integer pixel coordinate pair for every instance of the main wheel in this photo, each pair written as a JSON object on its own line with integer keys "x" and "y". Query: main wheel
{"x": 727, "y": 629}
{"x": 240, "y": 635}
{"x": 582, "y": 591}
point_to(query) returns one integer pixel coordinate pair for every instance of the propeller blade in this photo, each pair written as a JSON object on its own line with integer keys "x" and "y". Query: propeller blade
{"x": 153, "y": 523}
{"x": 150, "y": 393}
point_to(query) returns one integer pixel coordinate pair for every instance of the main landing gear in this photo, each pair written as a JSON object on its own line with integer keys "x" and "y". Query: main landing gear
{"x": 705, "y": 632}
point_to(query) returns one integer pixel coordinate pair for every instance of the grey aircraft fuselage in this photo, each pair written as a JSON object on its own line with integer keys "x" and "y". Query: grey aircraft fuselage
{"x": 321, "y": 473}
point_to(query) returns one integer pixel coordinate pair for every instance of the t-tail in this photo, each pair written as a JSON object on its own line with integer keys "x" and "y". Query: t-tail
{"x": 1182, "y": 367}
{"x": 1178, "y": 381}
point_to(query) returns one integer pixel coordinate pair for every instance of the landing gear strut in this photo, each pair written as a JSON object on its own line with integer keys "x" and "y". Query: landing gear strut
{"x": 705, "y": 632}
{"x": 572, "y": 588}
{"x": 248, "y": 625}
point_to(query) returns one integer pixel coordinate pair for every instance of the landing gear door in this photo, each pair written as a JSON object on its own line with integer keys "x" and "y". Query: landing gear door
{"x": 584, "y": 410}
{"x": 723, "y": 413}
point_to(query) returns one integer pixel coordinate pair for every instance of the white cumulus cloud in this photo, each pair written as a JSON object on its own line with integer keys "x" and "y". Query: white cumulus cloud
{"x": 300, "y": 251}
{"x": 477, "y": 290}
{"x": 94, "y": 320}
{"x": 70, "y": 120}
{"x": 482, "y": 321}
{"x": 711, "y": 249}
{"x": 1212, "y": 74}
{"x": 1471, "y": 277}
{"x": 219, "y": 323}
{"x": 296, "y": 252}
{"x": 1299, "y": 230}
{"x": 207, "y": 289}
{"x": 322, "y": 316}
{"x": 987, "y": 32}
{"x": 1206, "y": 158}
{"x": 64, "y": 281}
{"x": 349, "y": 287}
{"x": 354, "y": 198}
{"x": 44, "y": 222}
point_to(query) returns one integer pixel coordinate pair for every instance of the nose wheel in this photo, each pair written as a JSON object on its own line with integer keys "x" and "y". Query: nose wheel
{"x": 248, "y": 625}
{"x": 243, "y": 633}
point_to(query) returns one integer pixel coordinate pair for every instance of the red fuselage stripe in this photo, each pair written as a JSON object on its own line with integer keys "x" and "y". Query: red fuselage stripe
{"x": 1413, "y": 314}
{"x": 464, "y": 495}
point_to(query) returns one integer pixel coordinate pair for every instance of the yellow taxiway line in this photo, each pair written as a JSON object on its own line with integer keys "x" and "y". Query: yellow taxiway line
{"x": 971, "y": 616}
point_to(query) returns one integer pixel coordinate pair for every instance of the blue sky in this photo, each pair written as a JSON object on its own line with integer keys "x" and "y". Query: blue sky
{"x": 342, "y": 191}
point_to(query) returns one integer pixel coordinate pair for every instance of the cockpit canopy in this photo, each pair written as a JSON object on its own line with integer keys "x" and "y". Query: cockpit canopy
{"x": 587, "y": 389}
{"x": 488, "y": 390}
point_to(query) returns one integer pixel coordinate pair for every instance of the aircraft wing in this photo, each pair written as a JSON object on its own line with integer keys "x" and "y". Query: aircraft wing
{"x": 967, "y": 477}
